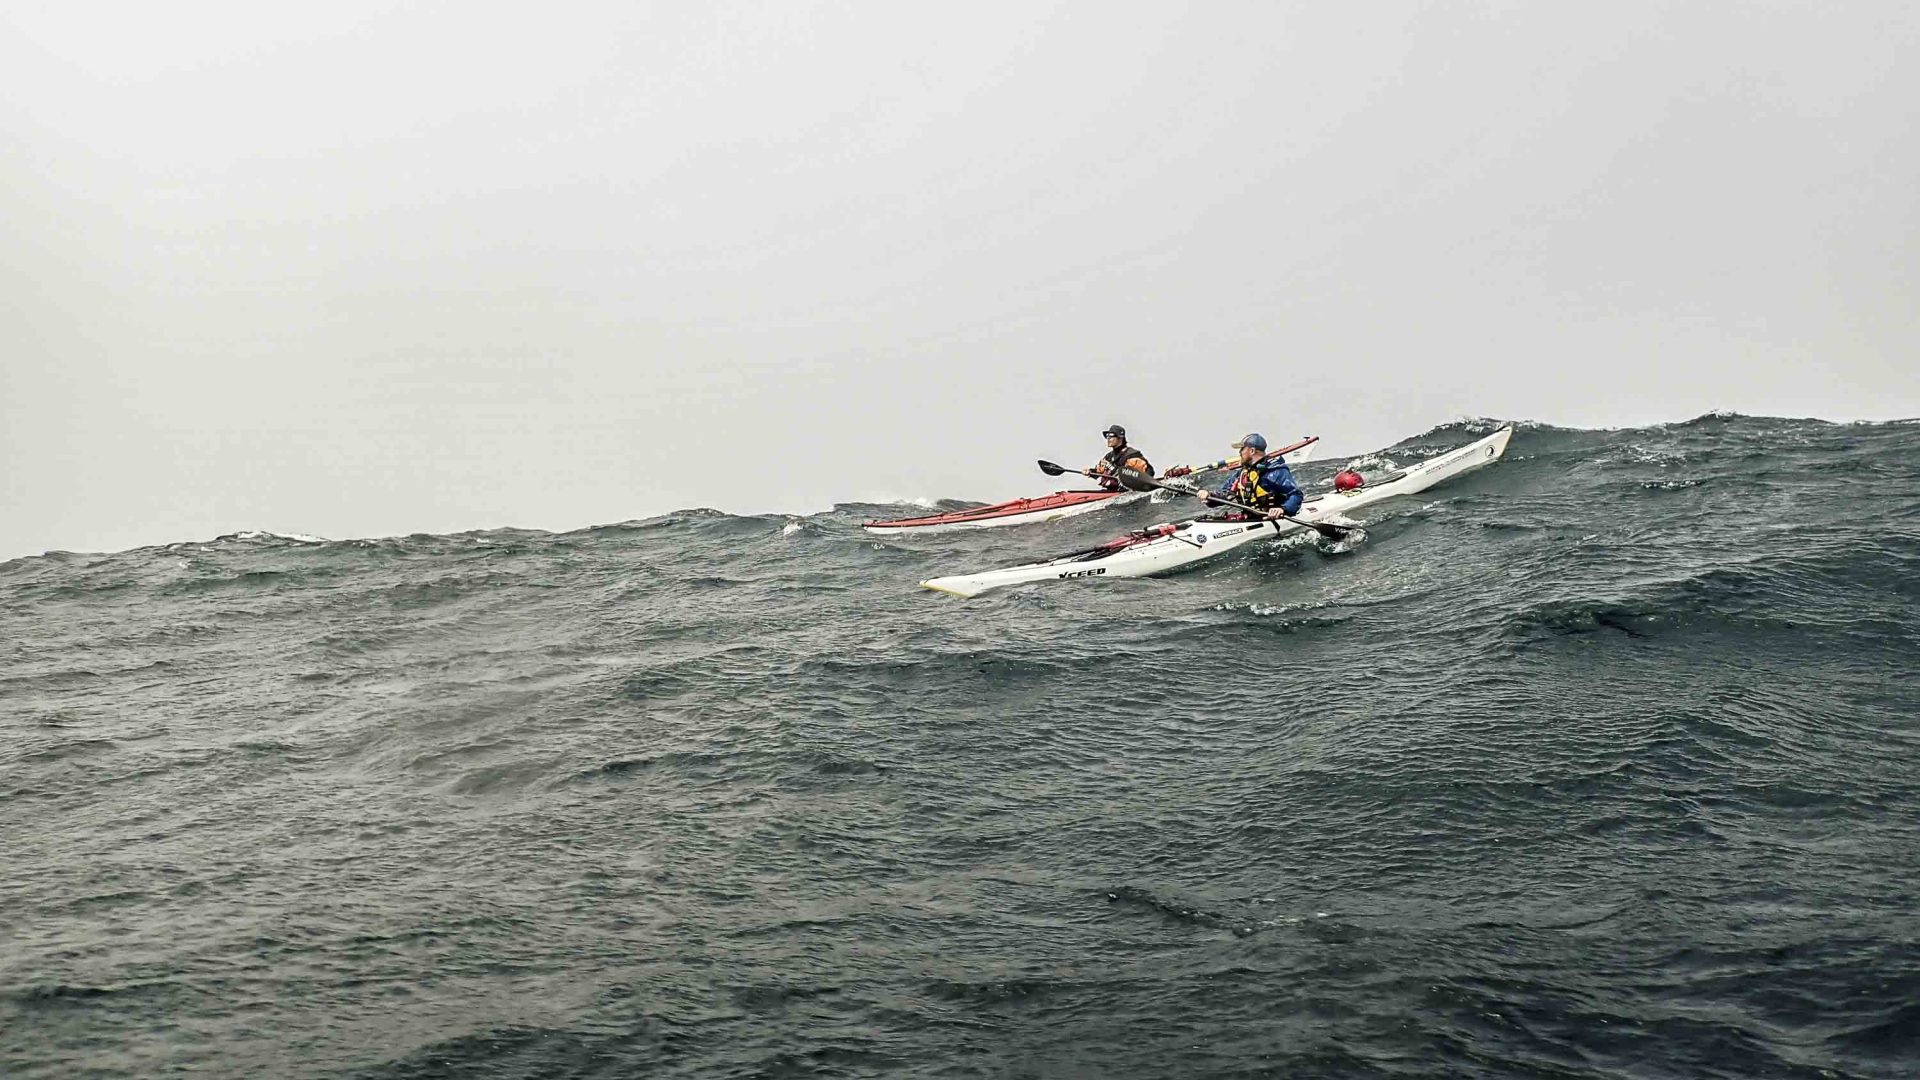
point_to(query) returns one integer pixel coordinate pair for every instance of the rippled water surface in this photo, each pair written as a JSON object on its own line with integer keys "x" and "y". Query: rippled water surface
{"x": 1601, "y": 762}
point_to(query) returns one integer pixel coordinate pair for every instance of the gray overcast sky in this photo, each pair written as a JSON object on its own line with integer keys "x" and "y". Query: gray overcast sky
{"x": 364, "y": 269}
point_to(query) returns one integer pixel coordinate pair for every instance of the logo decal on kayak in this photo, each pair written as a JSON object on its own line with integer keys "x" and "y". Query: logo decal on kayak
{"x": 1095, "y": 572}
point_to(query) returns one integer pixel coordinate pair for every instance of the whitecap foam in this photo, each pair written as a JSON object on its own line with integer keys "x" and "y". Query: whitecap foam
{"x": 1347, "y": 542}
{"x": 1371, "y": 461}
{"x": 267, "y": 534}
{"x": 1298, "y": 538}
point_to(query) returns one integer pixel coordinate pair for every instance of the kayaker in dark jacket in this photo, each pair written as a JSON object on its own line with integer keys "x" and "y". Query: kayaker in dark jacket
{"x": 1119, "y": 456}
{"x": 1264, "y": 483}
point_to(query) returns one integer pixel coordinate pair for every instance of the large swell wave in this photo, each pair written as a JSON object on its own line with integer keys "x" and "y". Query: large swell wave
{"x": 1603, "y": 761}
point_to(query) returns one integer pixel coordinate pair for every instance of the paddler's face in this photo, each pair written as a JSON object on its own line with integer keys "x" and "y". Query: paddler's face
{"x": 1116, "y": 441}
{"x": 1248, "y": 455}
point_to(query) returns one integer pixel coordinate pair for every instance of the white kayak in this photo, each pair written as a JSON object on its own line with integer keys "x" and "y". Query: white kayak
{"x": 1060, "y": 504}
{"x": 1160, "y": 548}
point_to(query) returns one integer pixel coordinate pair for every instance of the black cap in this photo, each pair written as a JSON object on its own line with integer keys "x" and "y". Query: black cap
{"x": 1112, "y": 430}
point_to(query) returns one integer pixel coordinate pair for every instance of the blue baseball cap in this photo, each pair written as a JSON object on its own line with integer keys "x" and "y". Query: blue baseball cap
{"x": 1253, "y": 439}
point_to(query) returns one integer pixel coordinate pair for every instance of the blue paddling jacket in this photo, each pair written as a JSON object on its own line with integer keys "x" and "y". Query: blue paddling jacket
{"x": 1264, "y": 486}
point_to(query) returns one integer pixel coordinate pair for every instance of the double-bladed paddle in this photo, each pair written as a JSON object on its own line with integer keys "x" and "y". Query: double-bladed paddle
{"x": 1135, "y": 480}
{"x": 1051, "y": 469}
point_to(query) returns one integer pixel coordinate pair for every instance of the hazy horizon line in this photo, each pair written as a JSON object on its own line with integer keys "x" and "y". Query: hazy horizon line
{"x": 1456, "y": 422}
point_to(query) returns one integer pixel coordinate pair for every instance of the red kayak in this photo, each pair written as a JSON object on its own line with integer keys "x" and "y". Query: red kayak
{"x": 1060, "y": 504}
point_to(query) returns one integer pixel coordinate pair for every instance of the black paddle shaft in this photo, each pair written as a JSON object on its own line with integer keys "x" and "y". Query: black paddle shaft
{"x": 1135, "y": 480}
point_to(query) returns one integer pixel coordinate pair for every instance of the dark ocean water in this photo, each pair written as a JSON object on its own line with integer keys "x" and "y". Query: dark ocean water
{"x": 1601, "y": 762}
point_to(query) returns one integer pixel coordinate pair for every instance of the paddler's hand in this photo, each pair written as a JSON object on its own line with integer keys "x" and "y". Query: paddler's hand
{"x": 1276, "y": 514}
{"x": 1206, "y": 498}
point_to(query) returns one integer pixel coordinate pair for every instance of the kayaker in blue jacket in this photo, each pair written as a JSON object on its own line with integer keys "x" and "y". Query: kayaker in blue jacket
{"x": 1262, "y": 482}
